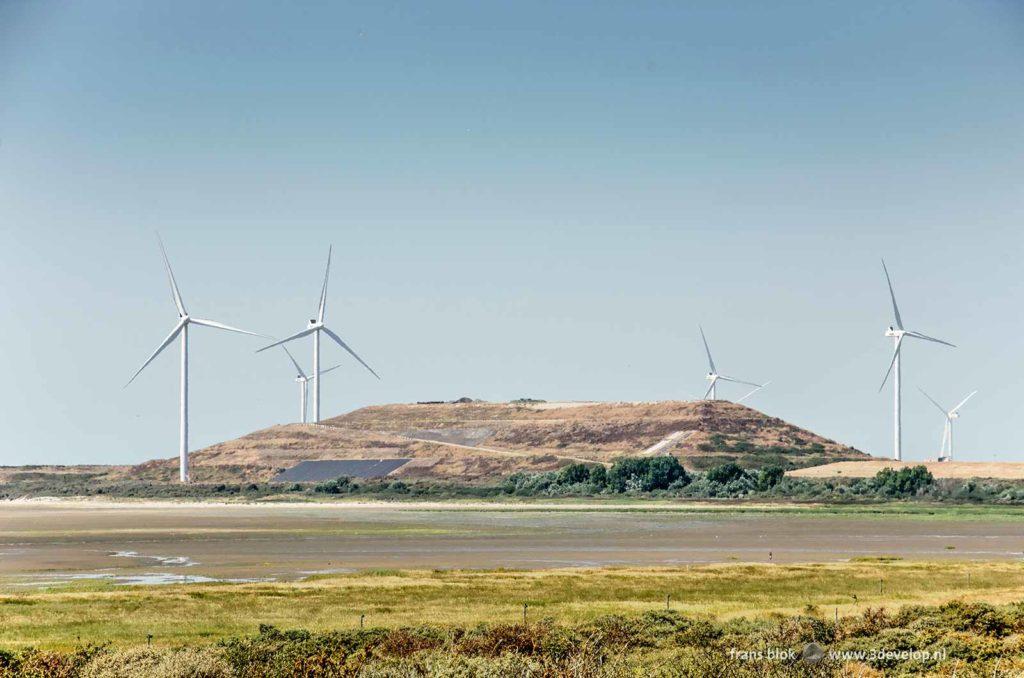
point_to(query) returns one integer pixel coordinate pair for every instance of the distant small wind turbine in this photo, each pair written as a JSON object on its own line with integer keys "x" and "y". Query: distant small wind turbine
{"x": 184, "y": 320}
{"x": 898, "y": 333}
{"x": 315, "y": 327}
{"x": 714, "y": 377}
{"x": 946, "y": 449}
{"x": 303, "y": 382}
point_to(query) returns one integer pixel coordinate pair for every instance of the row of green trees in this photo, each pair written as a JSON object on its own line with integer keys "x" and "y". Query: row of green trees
{"x": 637, "y": 475}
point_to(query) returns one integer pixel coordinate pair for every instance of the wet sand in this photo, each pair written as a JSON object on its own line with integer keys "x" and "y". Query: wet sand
{"x": 44, "y": 543}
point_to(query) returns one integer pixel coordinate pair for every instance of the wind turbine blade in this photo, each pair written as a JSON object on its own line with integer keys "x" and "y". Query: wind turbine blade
{"x": 963, "y": 402}
{"x": 297, "y": 335}
{"x": 329, "y": 369}
{"x": 170, "y": 277}
{"x": 739, "y": 381}
{"x": 323, "y": 292}
{"x": 918, "y": 335}
{"x": 753, "y": 392}
{"x": 896, "y": 352}
{"x": 294, "y": 362}
{"x": 895, "y": 308}
{"x": 941, "y": 408}
{"x": 229, "y": 328}
{"x": 170, "y": 337}
{"x": 708, "y": 392}
{"x": 341, "y": 343}
{"x": 708, "y": 350}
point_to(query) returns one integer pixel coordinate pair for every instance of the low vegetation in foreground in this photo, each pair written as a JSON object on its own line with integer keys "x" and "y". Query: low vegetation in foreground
{"x": 634, "y": 477}
{"x": 954, "y": 639}
{"x": 97, "y": 612}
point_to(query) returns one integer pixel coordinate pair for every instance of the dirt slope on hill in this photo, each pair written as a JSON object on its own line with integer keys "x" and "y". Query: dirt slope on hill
{"x": 261, "y": 455}
{"x": 701, "y": 431}
{"x": 477, "y": 441}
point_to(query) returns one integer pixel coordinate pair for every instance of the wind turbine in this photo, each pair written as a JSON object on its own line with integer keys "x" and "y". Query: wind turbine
{"x": 946, "y": 449}
{"x": 714, "y": 377}
{"x": 315, "y": 327}
{"x": 181, "y": 329}
{"x": 898, "y": 333}
{"x": 303, "y": 381}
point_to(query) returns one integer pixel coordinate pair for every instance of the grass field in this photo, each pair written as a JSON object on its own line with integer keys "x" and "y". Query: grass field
{"x": 89, "y": 612}
{"x": 943, "y": 469}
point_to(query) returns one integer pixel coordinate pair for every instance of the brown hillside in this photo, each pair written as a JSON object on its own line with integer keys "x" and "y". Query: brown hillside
{"x": 484, "y": 441}
{"x": 707, "y": 430}
{"x": 261, "y": 455}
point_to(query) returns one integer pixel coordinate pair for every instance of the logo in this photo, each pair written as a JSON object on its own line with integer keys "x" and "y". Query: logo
{"x": 812, "y": 653}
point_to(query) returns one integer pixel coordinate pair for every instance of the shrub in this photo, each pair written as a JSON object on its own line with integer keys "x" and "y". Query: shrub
{"x": 644, "y": 474}
{"x": 573, "y": 474}
{"x": 725, "y": 473}
{"x": 769, "y": 477}
{"x": 905, "y": 482}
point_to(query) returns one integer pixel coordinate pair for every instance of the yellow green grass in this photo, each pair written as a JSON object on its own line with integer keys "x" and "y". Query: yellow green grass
{"x": 70, "y": 615}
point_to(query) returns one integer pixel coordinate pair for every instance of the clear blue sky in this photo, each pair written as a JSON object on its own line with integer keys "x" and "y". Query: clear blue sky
{"x": 537, "y": 199}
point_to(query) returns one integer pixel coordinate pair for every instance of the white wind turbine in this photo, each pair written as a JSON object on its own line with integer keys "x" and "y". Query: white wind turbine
{"x": 714, "y": 377}
{"x": 946, "y": 449}
{"x": 184, "y": 320}
{"x": 315, "y": 327}
{"x": 898, "y": 333}
{"x": 303, "y": 381}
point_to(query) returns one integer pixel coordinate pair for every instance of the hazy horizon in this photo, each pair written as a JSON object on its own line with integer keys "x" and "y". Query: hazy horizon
{"x": 540, "y": 201}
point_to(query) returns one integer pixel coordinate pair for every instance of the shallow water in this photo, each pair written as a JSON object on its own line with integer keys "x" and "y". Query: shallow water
{"x": 44, "y": 544}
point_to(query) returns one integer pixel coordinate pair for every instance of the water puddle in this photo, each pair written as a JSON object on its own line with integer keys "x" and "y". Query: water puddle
{"x": 183, "y": 561}
{"x": 141, "y": 579}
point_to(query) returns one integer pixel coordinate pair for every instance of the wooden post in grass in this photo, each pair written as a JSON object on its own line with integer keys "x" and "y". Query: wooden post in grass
{"x": 524, "y": 612}
{"x": 879, "y": 587}
{"x": 668, "y": 602}
{"x": 837, "y": 615}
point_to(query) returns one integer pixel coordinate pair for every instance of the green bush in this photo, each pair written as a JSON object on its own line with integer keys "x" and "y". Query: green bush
{"x": 905, "y": 482}
{"x": 645, "y": 474}
{"x": 769, "y": 477}
{"x": 573, "y": 474}
{"x": 725, "y": 473}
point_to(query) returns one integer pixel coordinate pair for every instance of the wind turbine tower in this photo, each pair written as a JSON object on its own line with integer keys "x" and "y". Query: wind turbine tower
{"x": 315, "y": 327}
{"x": 946, "y": 448}
{"x": 898, "y": 334}
{"x": 303, "y": 380}
{"x": 181, "y": 329}
{"x": 714, "y": 377}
